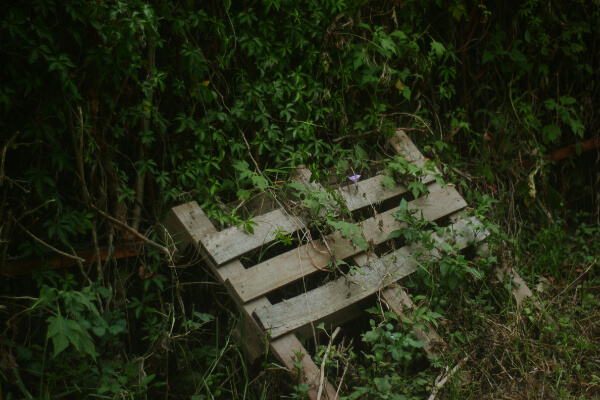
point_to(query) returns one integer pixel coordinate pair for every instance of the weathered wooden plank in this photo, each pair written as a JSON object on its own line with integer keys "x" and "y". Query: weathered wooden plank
{"x": 398, "y": 300}
{"x": 371, "y": 192}
{"x": 314, "y": 306}
{"x": 307, "y": 259}
{"x": 187, "y": 225}
{"x": 404, "y": 146}
{"x": 231, "y": 243}
{"x": 194, "y": 226}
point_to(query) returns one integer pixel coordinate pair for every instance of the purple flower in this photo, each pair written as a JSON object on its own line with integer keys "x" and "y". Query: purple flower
{"x": 354, "y": 178}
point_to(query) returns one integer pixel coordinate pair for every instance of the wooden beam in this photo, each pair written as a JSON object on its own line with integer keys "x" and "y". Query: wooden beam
{"x": 22, "y": 267}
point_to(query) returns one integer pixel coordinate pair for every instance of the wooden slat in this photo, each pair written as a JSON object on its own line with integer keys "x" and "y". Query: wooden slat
{"x": 398, "y": 300}
{"x": 195, "y": 226}
{"x": 405, "y": 147}
{"x": 371, "y": 192}
{"x": 305, "y": 260}
{"x": 314, "y": 306}
{"x": 233, "y": 242}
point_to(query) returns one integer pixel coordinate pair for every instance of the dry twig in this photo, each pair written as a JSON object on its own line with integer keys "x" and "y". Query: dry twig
{"x": 322, "y": 382}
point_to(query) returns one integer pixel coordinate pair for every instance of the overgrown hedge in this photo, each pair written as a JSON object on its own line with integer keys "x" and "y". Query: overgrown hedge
{"x": 126, "y": 108}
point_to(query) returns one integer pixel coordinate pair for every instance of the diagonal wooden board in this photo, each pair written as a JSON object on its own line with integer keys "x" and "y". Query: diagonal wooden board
{"x": 312, "y": 307}
{"x": 309, "y": 258}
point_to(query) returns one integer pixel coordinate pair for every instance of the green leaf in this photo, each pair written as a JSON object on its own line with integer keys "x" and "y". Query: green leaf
{"x": 438, "y": 48}
{"x": 260, "y": 182}
{"x": 487, "y": 57}
{"x": 406, "y": 92}
{"x": 551, "y": 133}
{"x": 63, "y": 331}
{"x": 147, "y": 380}
{"x": 388, "y": 45}
{"x": 388, "y": 182}
{"x": 56, "y": 331}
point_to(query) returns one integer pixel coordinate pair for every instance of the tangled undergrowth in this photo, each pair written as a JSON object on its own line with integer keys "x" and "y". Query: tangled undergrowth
{"x": 114, "y": 111}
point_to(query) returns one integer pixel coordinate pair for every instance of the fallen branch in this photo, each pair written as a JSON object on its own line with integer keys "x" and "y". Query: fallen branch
{"x": 566, "y": 152}
{"x": 26, "y": 266}
{"x": 441, "y": 380}
{"x": 46, "y": 245}
{"x": 130, "y": 230}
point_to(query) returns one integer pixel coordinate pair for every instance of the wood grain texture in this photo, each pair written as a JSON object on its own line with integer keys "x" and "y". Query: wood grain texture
{"x": 312, "y": 307}
{"x": 195, "y": 226}
{"x": 307, "y": 259}
{"x": 233, "y": 242}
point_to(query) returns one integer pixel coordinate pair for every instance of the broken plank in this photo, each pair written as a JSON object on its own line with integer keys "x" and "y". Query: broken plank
{"x": 405, "y": 147}
{"x": 28, "y": 265}
{"x": 307, "y": 259}
{"x": 314, "y": 306}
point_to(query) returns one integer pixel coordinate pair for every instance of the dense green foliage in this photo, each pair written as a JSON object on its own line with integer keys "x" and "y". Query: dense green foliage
{"x": 123, "y": 109}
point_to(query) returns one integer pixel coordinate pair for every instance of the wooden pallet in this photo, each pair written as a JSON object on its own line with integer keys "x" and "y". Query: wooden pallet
{"x": 336, "y": 301}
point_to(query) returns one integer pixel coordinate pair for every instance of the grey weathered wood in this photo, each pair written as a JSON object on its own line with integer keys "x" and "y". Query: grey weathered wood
{"x": 399, "y": 301}
{"x": 371, "y": 192}
{"x": 307, "y": 259}
{"x": 195, "y": 226}
{"x": 312, "y": 307}
{"x": 233, "y": 242}
{"x": 519, "y": 289}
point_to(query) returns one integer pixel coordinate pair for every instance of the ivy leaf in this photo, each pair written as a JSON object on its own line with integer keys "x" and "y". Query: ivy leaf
{"x": 388, "y": 182}
{"x": 551, "y": 133}
{"x": 63, "y": 331}
{"x": 438, "y": 48}
{"x": 260, "y": 182}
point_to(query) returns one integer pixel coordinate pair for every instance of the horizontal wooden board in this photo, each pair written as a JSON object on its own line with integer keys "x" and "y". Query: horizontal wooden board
{"x": 307, "y": 259}
{"x": 314, "y": 306}
{"x": 231, "y": 243}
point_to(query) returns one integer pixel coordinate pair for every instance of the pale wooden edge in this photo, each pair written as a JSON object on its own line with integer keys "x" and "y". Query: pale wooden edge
{"x": 519, "y": 289}
{"x": 194, "y": 224}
